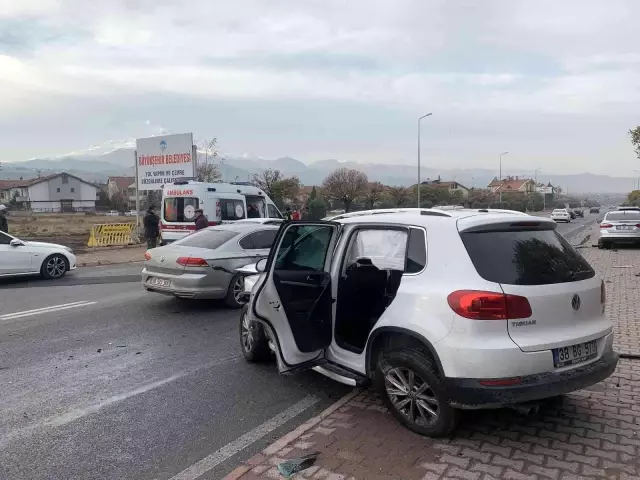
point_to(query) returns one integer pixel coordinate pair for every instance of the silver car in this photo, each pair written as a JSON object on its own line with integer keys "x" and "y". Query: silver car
{"x": 621, "y": 226}
{"x": 203, "y": 264}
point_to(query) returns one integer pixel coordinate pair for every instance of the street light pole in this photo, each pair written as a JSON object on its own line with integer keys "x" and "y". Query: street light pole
{"x": 503, "y": 153}
{"x": 637, "y": 172}
{"x": 419, "y": 119}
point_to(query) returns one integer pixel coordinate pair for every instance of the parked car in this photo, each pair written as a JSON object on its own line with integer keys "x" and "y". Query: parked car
{"x": 501, "y": 310}
{"x": 560, "y": 215}
{"x": 113, "y": 213}
{"x": 620, "y": 226}
{"x": 579, "y": 212}
{"x": 261, "y": 221}
{"x": 22, "y": 257}
{"x": 131, "y": 213}
{"x": 594, "y": 210}
{"x": 201, "y": 265}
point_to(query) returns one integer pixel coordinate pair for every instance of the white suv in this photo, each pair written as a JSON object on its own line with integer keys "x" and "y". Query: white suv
{"x": 442, "y": 310}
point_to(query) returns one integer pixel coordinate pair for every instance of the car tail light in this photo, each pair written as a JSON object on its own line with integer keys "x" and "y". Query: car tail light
{"x": 603, "y": 294}
{"x": 478, "y": 305}
{"x": 192, "y": 262}
{"x": 147, "y": 256}
{"x": 638, "y": 225}
{"x": 605, "y": 225}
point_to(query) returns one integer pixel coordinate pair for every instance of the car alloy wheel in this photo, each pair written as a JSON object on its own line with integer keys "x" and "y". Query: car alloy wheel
{"x": 238, "y": 289}
{"x": 55, "y": 267}
{"x": 246, "y": 333}
{"x": 411, "y": 396}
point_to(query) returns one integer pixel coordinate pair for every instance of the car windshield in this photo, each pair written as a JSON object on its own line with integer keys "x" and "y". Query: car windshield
{"x": 207, "y": 238}
{"x": 623, "y": 216}
{"x": 516, "y": 257}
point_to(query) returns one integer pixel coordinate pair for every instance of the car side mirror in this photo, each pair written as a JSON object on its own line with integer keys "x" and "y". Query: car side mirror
{"x": 16, "y": 243}
{"x": 261, "y": 266}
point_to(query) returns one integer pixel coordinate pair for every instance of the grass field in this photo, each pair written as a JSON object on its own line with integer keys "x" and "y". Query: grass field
{"x": 54, "y": 225}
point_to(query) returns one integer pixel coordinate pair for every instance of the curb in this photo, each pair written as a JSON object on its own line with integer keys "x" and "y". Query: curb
{"x": 285, "y": 440}
{"x": 101, "y": 264}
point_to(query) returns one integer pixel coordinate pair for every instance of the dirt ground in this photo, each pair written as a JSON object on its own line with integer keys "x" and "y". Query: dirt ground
{"x": 53, "y": 225}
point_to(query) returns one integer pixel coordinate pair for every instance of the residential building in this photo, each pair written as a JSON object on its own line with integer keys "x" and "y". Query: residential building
{"x": 15, "y": 192}
{"x": 513, "y": 185}
{"x": 451, "y": 186}
{"x": 119, "y": 185}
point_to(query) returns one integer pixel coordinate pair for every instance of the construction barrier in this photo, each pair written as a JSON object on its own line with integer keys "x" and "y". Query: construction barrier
{"x": 112, "y": 234}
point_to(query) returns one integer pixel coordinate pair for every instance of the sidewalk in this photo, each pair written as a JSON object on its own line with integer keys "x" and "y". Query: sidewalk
{"x": 591, "y": 434}
{"x": 111, "y": 256}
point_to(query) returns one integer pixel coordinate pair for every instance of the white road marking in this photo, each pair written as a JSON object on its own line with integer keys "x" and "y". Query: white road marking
{"x": 78, "y": 413}
{"x": 230, "y": 449}
{"x": 39, "y": 311}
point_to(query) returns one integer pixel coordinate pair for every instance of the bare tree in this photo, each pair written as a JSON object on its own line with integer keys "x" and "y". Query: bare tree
{"x": 208, "y": 172}
{"x": 373, "y": 194}
{"x": 398, "y": 195}
{"x": 267, "y": 180}
{"x": 345, "y": 185}
{"x": 635, "y": 139}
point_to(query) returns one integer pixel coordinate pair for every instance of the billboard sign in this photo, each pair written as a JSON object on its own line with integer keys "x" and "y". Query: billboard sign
{"x": 162, "y": 160}
{"x": 545, "y": 190}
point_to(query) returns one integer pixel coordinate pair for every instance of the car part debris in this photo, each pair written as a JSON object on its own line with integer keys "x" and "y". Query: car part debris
{"x": 288, "y": 468}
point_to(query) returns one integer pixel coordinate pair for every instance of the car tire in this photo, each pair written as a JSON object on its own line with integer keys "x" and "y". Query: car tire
{"x": 232, "y": 300}
{"x": 604, "y": 245}
{"x": 394, "y": 364}
{"x": 54, "y": 266}
{"x": 253, "y": 339}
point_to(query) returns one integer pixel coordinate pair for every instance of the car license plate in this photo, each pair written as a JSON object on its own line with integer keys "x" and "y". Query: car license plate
{"x": 579, "y": 353}
{"x": 160, "y": 282}
{"x": 624, "y": 227}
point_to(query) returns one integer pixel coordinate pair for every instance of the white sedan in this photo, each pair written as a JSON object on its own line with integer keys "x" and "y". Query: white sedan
{"x": 561, "y": 215}
{"x": 21, "y": 257}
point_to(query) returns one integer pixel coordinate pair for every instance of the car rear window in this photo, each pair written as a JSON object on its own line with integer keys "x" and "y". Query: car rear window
{"x": 623, "y": 216}
{"x": 525, "y": 257}
{"x": 211, "y": 239}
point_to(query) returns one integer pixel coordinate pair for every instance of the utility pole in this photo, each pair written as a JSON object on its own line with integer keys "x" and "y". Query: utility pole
{"x": 500, "y": 187}
{"x": 419, "y": 119}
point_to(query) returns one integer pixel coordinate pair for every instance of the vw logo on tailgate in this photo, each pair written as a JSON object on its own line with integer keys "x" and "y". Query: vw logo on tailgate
{"x": 576, "y": 302}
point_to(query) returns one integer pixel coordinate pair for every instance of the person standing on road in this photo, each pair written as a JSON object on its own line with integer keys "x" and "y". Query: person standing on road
{"x": 201, "y": 220}
{"x": 287, "y": 214}
{"x": 151, "y": 227}
{"x": 4, "y": 225}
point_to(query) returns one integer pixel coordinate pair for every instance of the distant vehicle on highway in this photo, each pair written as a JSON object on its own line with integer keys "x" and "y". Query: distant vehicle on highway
{"x": 579, "y": 212}
{"x": 594, "y": 210}
{"x": 130, "y": 213}
{"x": 621, "y": 226}
{"x": 203, "y": 264}
{"x": 113, "y": 213}
{"x": 561, "y": 215}
{"x": 613, "y": 207}
{"x": 21, "y": 257}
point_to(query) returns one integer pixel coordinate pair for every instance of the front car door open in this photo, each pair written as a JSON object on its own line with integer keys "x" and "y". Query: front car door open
{"x": 295, "y": 301}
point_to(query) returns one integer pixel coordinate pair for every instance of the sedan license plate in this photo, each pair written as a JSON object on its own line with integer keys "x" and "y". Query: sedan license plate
{"x": 579, "y": 353}
{"x": 160, "y": 282}
{"x": 624, "y": 227}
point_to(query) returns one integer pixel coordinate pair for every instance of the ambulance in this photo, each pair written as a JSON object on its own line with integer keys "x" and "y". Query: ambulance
{"x": 220, "y": 202}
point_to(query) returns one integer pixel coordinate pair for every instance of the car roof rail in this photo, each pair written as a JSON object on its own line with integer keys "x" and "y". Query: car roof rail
{"x": 434, "y": 214}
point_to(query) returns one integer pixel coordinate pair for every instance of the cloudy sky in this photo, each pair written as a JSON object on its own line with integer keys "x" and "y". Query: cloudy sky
{"x": 555, "y": 83}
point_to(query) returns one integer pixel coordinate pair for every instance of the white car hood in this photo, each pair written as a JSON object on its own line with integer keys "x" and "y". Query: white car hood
{"x": 44, "y": 245}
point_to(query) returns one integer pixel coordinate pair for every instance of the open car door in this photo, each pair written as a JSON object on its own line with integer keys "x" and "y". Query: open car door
{"x": 295, "y": 302}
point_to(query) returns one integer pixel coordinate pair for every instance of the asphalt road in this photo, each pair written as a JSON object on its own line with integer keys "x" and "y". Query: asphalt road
{"x": 101, "y": 380}
{"x": 133, "y": 385}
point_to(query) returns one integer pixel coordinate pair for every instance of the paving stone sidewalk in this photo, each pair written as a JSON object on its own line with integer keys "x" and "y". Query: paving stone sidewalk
{"x": 111, "y": 256}
{"x": 590, "y": 434}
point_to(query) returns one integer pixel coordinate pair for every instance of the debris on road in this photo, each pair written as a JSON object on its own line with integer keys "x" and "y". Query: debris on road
{"x": 99, "y": 350}
{"x": 288, "y": 468}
